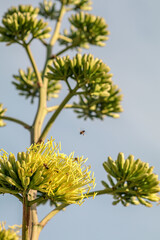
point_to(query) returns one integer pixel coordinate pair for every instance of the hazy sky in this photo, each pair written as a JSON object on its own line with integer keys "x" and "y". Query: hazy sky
{"x": 133, "y": 54}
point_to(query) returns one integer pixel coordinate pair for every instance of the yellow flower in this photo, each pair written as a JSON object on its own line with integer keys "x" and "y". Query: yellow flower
{"x": 9, "y": 234}
{"x": 53, "y": 174}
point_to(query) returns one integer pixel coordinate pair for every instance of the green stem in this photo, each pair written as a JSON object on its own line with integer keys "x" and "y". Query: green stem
{"x": 19, "y": 197}
{"x": 58, "y": 25}
{"x": 25, "y": 125}
{"x": 5, "y": 190}
{"x": 35, "y": 133}
{"x": 53, "y": 108}
{"x": 30, "y": 225}
{"x": 67, "y": 39}
{"x": 100, "y": 192}
{"x": 111, "y": 191}
{"x": 64, "y": 50}
{"x": 57, "y": 112}
{"x": 33, "y": 215}
{"x": 40, "y": 115}
{"x": 34, "y": 65}
{"x": 37, "y": 201}
{"x": 53, "y": 39}
{"x": 41, "y": 111}
{"x": 26, "y": 219}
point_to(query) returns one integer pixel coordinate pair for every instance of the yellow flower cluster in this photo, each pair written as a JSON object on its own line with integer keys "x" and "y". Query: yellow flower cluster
{"x": 43, "y": 168}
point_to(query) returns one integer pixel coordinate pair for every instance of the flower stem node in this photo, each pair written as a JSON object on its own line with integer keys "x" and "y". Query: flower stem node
{"x": 54, "y": 175}
{"x": 134, "y": 182}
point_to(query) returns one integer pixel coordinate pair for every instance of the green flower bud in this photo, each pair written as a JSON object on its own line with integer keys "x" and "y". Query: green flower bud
{"x": 48, "y": 10}
{"x": 26, "y": 84}
{"x": 135, "y": 181}
{"x": 86, "y": 29}
{"x": 78, "y": 4}
{"x": 20, "y": 22}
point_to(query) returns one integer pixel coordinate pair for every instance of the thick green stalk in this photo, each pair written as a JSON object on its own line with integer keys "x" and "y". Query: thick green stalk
{"x": 53, "y": 39}
{"x": 57, "y": 112}
{"x": 58, "y": 25}
{"x": 33, "y": 215}
{"x": 42, "y": 109}
{"x": 26, "y": 219}
{"x": 41, "y": 113}
{"x": 37, "y": 201}
{"x": 35, "y": 133}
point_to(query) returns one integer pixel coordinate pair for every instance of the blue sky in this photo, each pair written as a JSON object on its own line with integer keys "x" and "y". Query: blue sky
{"x": 133, "y": 54}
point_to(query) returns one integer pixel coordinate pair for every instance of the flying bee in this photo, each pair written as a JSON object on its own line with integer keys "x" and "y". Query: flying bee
{"x": 76, "y": 159}
{"x": 45, "y": 165}
{"x": 82, "y": 132}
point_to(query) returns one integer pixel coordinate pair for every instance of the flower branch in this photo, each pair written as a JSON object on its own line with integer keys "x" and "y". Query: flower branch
{"x": 67, "y": 39}
{"x": 64, "y": 50}
{"x": 58, "y": 25}
{"x": 25, "y": 125}
{"x": 56, "y": 113}
{"x": 34, "y": 65}
{"x": 53, "y": 39}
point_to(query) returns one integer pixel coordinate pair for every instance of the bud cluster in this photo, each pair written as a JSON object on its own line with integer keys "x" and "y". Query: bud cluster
{"x": 20, "y": 22}
{"x": 84, "y": 5}
{"x": 135, "y": 181}
{"x": 86, "y": 29}
{"x": 85, "y": 70}
{"x": 98, "y": 95}
{"x": 26, "y": 84}
{"x": 93, "y": 107}
{"x": 48, "y": 10}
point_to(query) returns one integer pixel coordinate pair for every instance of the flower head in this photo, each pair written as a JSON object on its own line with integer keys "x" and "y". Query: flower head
{"x": 26, "y": 84}
{"x": 135, "y": 181}
{"x": 55, "y": 175}
{"x": 21, "y": 22}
